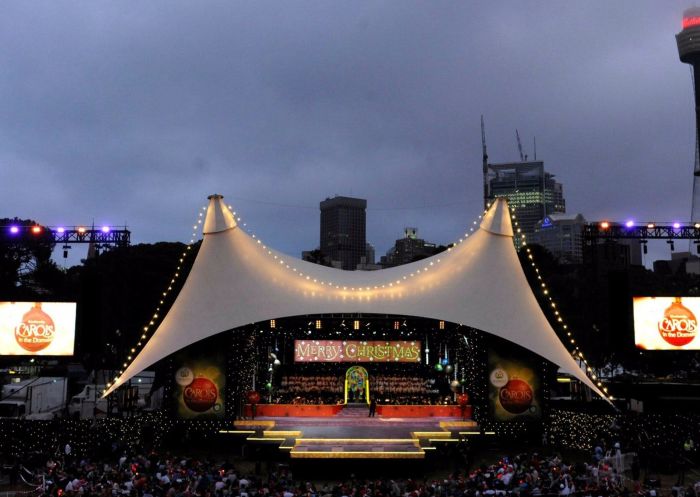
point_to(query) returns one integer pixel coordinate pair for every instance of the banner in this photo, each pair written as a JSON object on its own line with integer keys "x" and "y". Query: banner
{"x": 356, "y": 351}
{"x": 666, "y": 323}
{"x": 37, "y": 328}
{"x": 199, "y": 387}
{"x": 514, "y": 389}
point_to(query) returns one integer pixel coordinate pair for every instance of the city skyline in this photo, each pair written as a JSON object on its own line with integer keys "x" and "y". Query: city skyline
{"x": 116, "y": 116}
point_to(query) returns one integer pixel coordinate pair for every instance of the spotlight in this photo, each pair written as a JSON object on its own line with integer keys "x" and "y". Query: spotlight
{"x": 105, "y": 229}
{"x": 81, "y": 230}
{"x": 629, "y": 223}
{"x": 676, "y": 225}
{"x": 60, "y": 230}
{"x": 36, "y": 229}
{"x": 604, "y": 225}
{"x": 14, "y": 230}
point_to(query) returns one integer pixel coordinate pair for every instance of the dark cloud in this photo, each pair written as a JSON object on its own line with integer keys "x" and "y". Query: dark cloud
{"x": 117, "y": 112}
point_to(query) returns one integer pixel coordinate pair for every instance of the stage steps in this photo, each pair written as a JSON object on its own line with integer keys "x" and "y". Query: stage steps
{"x": 356, "y": 436}
{"x": 345, "y": 448}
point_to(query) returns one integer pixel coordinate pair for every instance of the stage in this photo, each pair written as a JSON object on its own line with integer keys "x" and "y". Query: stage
{"x": 350, "y": 433}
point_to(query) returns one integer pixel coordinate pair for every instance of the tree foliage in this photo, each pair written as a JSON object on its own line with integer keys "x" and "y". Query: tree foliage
{"x": 23, "y": 256}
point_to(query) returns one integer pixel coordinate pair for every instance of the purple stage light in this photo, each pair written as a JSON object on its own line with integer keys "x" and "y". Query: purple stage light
{"x": 676, "y": 225}
{"x": 105, "y": 229}
{"x": 629, "y": 223}
{"x": 61, "y": 229}
{"x": 14, "y": 230}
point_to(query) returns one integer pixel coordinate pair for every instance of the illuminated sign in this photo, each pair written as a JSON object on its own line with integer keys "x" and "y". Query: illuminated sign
{"x": 37, "y": 328}
{"x": 199, "y": 386}
{"x": 514, "y": 388}
{"x": 666, "y": 323}
{"x": 356, "y": 351}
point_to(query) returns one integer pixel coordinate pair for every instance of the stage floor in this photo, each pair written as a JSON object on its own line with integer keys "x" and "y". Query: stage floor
{"x": 355, "y": 436}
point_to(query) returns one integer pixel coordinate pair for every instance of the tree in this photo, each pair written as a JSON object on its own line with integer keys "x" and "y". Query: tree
{"x": 22, "y": 252}
{"x": 118, "y": 292}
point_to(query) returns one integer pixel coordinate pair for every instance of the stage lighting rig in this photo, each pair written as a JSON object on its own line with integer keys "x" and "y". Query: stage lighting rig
{"x": 117, "y": 236}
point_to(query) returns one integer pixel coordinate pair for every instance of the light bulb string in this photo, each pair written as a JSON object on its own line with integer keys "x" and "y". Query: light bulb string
{"x": 151, "y": 325}
{"x": 576, "y": 352}
{"x": 389, "y": 284}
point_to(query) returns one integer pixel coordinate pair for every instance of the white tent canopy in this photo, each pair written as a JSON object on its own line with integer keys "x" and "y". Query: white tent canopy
{"x": 236, "y": 280}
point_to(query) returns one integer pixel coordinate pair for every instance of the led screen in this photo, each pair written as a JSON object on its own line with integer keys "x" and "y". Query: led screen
{"x": 37, "y": 328}
{"x": 666, "y": 323}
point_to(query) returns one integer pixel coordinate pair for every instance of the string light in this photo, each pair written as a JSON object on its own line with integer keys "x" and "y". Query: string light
{"x": 576, "y": 351}
{"x": 363, "y": 292}
{"x": 150, "y": 327}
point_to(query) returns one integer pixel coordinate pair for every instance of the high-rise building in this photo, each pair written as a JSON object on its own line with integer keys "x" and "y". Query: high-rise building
{"x": 410, "y": 248}
{"x": 562, "y": 236}
{"x": 369, "y": 254}
{"x": 343, "y": 231}
{"x": 688, "y": 41}
{"x": 532, "y": 193}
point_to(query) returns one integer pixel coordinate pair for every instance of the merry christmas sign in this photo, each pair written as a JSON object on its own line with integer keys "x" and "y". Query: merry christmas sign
{"x": 356, "y": 351}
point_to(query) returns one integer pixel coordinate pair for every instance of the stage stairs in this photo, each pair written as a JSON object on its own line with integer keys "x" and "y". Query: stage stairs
{"x": 355, "y": 436}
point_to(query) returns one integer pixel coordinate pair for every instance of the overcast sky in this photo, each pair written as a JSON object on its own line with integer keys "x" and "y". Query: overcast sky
{"x": 134, "y": 112}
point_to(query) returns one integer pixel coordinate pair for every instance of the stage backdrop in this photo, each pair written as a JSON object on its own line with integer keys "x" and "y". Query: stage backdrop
{"x": 200, "y": 380}
{"x": 356, "y": 351}
{"x": 514, "y": 388}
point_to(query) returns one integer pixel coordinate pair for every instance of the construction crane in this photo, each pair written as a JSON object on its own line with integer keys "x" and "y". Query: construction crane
{"x": 523, "y": 158}
{"x": 485, "y": 163}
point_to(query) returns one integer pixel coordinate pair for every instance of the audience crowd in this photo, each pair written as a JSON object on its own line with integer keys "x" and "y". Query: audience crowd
{"x": 164, "y": 475}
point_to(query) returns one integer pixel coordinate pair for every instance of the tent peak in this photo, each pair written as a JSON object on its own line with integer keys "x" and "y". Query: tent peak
{"x": 497, "y": 219}
{"x": 219, "y": 217}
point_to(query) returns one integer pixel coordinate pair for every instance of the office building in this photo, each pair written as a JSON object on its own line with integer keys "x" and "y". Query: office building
{"x": 562, "y": 236}
{"x": 410, "y": 248}
{"x": 532, "y": 193}
{"x": 343, "y": 231}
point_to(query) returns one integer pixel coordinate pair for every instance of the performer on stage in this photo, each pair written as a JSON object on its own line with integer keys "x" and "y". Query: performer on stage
{"x": 372, "y": 407}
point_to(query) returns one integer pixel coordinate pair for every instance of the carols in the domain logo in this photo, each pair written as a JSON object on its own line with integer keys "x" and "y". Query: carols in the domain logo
{"x": 678, "y": 326}
{"x": 200, "y": 395}
{"x": 36, "y": 331}
{"x": 516, "y": 396}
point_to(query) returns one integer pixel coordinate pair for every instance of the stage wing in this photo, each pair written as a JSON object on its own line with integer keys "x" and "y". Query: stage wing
{"x": 236, "y": 280}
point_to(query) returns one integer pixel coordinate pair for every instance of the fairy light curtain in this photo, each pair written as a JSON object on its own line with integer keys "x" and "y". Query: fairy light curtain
{"x": 238, "y": 280}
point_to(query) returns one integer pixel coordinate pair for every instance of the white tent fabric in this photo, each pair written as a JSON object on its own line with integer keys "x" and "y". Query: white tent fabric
{"x": 236, "y": 280}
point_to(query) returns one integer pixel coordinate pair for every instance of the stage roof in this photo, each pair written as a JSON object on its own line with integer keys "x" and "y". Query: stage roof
{"x": 237, "y": 280}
